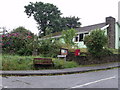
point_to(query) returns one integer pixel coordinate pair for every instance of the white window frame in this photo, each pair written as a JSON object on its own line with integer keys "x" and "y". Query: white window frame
{"x": 79, "y": 37}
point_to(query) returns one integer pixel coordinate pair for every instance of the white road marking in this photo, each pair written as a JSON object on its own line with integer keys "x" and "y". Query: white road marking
{"x": 79, "y": 86}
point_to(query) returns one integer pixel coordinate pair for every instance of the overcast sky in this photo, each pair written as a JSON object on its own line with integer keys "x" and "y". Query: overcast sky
{"x": 90, "y": 11}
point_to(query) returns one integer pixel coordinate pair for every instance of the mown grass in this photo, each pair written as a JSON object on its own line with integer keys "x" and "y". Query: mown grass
{"x": 15, "y": 62}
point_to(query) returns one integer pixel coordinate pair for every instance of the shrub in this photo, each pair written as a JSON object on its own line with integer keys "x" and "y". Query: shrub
{"x": 18, "y": 41}
{"x": 95, "y": 42}
{"x": 49, "y": 47}
{"x": 106, "y": 52}
{"x": 68, "y": 35}
{"x": 59, "y": 64}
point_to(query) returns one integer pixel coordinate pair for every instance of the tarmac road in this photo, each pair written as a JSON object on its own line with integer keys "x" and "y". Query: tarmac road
{"x": 98, "y": 79}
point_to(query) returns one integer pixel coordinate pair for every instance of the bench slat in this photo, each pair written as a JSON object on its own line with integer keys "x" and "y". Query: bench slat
{"x": 42, "y": 61}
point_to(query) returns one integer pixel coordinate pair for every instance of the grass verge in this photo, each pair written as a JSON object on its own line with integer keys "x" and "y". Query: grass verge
{"x": 15, "y": 62}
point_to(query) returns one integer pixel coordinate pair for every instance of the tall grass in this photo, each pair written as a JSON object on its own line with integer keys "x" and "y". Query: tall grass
{"x": 15, "y": 62}
{"x": 61, "y": 64}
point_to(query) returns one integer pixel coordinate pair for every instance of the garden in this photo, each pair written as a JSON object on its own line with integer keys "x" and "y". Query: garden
{"x": 20, "y": 47}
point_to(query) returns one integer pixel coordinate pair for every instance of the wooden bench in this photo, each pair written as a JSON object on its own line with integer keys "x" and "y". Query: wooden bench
{"x": 42, "y": 61}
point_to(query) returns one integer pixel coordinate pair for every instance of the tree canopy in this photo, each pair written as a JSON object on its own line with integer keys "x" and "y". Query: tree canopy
{"x": 48, "y": 18}
{"x": 44, "y": 13}
{"x": 71, "y": 22}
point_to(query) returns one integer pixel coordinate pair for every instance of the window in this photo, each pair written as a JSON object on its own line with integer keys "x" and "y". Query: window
{"x": 80, "y": 37}
{"x": 76, "y": 39}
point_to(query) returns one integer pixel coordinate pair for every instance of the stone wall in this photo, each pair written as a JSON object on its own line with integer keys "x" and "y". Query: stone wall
{"x": 87, "y": 60}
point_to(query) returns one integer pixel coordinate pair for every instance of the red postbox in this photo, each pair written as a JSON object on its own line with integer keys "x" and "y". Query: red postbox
{"x": 77, "y": 52}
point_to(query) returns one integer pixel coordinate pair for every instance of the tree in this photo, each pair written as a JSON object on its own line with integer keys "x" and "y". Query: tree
{"x": 45, "y": 14}
{"x": 71, "y": 22}
{"x": 48, "y": 18}
{"x": 96, "y": 42}
{"x": 68, "y": 36}
{"x": 65, "y": 23}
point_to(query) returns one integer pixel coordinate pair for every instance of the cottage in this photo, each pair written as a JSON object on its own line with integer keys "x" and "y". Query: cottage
{"x": 111, "y": 27}
{"x": 112, "y": 30}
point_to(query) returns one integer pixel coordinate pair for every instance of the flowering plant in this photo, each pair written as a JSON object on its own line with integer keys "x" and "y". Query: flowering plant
{"x": 17, "y": 42}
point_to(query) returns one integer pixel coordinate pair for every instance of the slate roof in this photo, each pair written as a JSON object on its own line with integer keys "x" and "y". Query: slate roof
{"x": 90, "y": 27}
{"x": 80, "y": 30}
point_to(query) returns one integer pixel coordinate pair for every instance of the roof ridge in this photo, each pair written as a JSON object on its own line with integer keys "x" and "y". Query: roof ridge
{"x": 93, "y": 25}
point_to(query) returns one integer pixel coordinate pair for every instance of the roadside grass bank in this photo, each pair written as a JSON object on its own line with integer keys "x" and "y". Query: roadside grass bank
{"x": 15, "y": 62}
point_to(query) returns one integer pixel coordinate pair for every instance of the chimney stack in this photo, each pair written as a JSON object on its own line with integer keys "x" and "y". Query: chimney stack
{"x": 111, "y": 31}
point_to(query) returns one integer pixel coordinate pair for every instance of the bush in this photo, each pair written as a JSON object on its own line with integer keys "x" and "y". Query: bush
{"x": 106, "y": 52}
{"x": 95, "y": 42}
{"x": 18, "y": 42}
{"x": 68, "y": 35}
{"x": 61, "y": 64}
{"x": 49, "y": 47}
